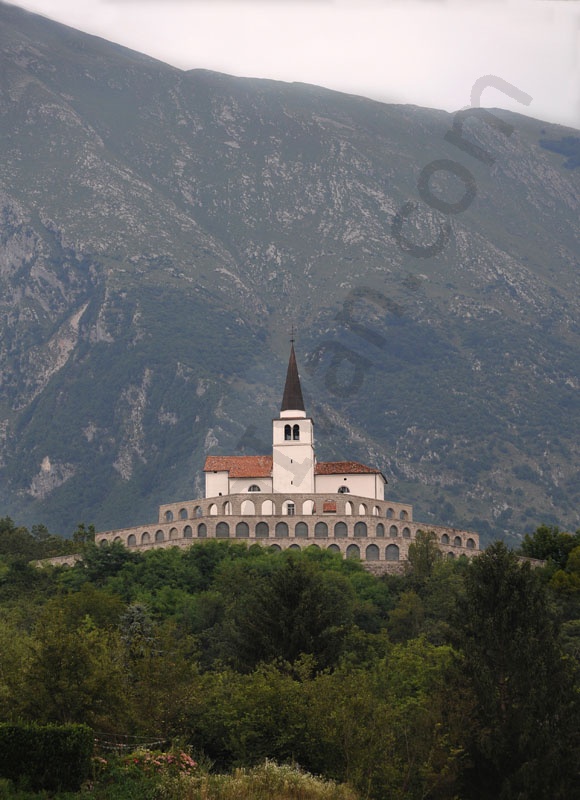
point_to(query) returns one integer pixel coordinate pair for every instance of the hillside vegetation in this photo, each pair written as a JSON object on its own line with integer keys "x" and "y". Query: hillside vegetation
{"x": 456, "y": 679}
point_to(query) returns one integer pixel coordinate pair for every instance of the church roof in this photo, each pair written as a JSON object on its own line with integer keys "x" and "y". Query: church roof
{"x": 261, "y": 467}
{"x": 292, "y": 399}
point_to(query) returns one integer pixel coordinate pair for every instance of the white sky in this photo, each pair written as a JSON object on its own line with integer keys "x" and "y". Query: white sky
{"x": 427, "y": 52}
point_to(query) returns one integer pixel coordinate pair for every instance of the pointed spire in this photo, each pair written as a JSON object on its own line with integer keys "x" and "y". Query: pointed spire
{"x": 292, "y": 400}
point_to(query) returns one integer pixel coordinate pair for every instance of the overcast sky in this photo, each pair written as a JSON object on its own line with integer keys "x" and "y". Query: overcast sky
{"x": 427, "y": 52}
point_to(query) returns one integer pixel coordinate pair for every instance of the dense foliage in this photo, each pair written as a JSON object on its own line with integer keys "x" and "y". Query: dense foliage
{"x": 453, "y": 680}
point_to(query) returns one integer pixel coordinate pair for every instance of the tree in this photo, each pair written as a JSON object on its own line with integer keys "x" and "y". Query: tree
{"x": 423, "y": 555}
{"x": 526, "y": 714}
{"x": 551, "y": 544}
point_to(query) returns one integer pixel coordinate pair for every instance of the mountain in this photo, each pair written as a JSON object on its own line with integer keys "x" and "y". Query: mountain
{"x": 163, "y": 230}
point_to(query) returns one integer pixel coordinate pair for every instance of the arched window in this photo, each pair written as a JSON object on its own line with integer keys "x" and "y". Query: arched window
{"x": 227, "y": 509}
{"x": 380, "y": 531}
{"x": 393, "y": 531}
{"x": 173, "y": 533}
{"x": 202, "y": 530}
{"x": 267, "y": 508}
{"x": 183, "y": 513}
{"x": 340, "y": 530}
{"x": 390, "y": 513}
{"x": 360, "y": 529}
{"x": 348, "y": 507}
{"x": 372, "y": 553}
{"x": 392, "y": 552}
{"x": 213, "y": 510}
{"x": 169, "y": 516}
{"x": 287, "y": 432}
{"x": 103, "y": 543}
{"x": 117, "y": 539}
{"x": 254, "y": 488}
{"x": 353, "y": 551}
{"x": 197, "y": 511}
{"x": 445, "y": 539}
{"x": 145, "y": 538}
{"x": 275, "y": 548}
{"x": 321, "y": 530}
{"x": 294, "y": 547}
{"x": 470, "y": 544}
{"x": 187, "y": 532}
{"x": 404, "y": 515}
{"x": 296, "y": 433}
{"x": 376, "y": 511}
{"x": 131, "y": 540}
{"x": 457, "y": 541}
{"x": 406, "y": 533}
{"x": 222, "y": 530}
{"x": 450, "y": 555}
{"x": 301, "y": 530}
{"x": 281, "y": 530}
{"x": 343, "y": 490}
{"x": 333, "y": 548}
{"x": 362, "y": 510}
{"x": 242, "y": 530}
{"x": 159, "y": 537}
{"x": 308, "y": 507}
{"x": 248, "y": 508}
{"x": 262, "y": 530}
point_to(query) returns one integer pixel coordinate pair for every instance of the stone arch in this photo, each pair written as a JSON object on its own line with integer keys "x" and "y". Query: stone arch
{"x": 333, "y": 548}
{"x": 276, "y": 548}
{"x": 262, "y": 530}
{"x": 450, "y": 555}
{"x": 372, "y": 553}
{"x": 103, "y": 543}
{"x": 390, "y": 513}
{"x": 392, "y": 552}
{"x": 281, "y": 530}
{"x": 340, "y": 530}
{"x": 380, "y": 530}
{"x": 267, "y": 508}
{"x": 457, "y": 542}
{"x": 173, "y": 533}
{"x": 376, "y": 511}
{"x": 169, "y": 516}
{"x": 348, "y": 508}
{"x": 289, "y": 508}
{"x": 183, "y": 513}
{"x": 353, "y": 551}
{"x": 248, "y": 508}
{"x": 294, "y": 547}
{"x": 188, "y": 532}
{"x": 362, "y": 510}
{"x": 131, "y": 540}
{"x": 404, "y": 515}
{"x": 198, "y": 511}
{"x": 308, "y": 507}
{"x": 445, "y": 539}
{"x": 470, "y": 544}
{"x": 321, "y": 530}
{"x": 301, "y": 530}
{"x": 202, "y": 530}
{"x": 213, "y": 510}
{"x": 406, "y": 533}
{"x": 227, "y": 509}
{"x": 222, "y": 530}
{"x": 145, "y": 538}
{"x": 242, "y": 530}
{"x": 159, "y": 537}
{"x": 360, "y": 529}
{"x": 117, "y": 539}
{"x": 393, "y": 531}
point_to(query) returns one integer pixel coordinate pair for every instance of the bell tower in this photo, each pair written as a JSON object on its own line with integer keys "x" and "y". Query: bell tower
{"x": 293, "y": 439}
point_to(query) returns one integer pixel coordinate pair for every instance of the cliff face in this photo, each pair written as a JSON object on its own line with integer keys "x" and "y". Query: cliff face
{"x": 161, "y": 232}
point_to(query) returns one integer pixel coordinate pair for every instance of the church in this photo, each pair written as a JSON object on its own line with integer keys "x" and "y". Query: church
{"x": 289, "y": 500}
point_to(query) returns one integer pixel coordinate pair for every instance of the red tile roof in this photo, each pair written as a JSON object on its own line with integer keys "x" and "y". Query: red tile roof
{"x": 344, "y": 468}
{"x": 240, "y": 466}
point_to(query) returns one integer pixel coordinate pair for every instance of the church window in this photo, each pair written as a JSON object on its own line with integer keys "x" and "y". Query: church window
{"x": 173, "y": 533}
{"x": 187, "y": 532}
{"x": 353, "y": 551}
{"x": 262, "y": 530}
{"x": 296, "y": 433}
{"x": 457, "y": 541}
{"x": 380, "y": 531}
{"x": 202, "y": 530}
{"x": 159, "y": 537}
{"x": 321, "y": 530}
{"x": 169, "y": 516}
{"x": 392, "y": 552}
{"x": 254, "y": 488}
{"x": 198, "y": 511}
{"x": 287, "y": 432}
{"x": 222, "y": 530}
{"x": 372, "y": 553}
{"x": 340, "y": 530}
{"x": 470, "y": 544}
{"x": 343, "y": 490}
{"x": 301, "y": 530}
{"x": 131, "y": 540}
{"x": 404, "y": 515}
{"x": 281, "y": 530}
{"x": 445, "y": 539}
{"x": 393, "y": 531}
{"x": 390, "y": 513}
{"x": 360, "y": 529}
{"x": 183, "y": 513}
{"x": 145, "y": 538}
{"x": 406, "y": 533}
{"x": 242, "y": 530}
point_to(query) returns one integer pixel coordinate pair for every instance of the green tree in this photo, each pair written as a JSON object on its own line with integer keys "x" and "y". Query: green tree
{"x": 526, "y": 713}
{"x": 549, "y": 543}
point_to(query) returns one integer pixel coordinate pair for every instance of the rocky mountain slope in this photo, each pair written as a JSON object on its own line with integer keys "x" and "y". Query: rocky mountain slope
{"x": 162, "y": 230}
